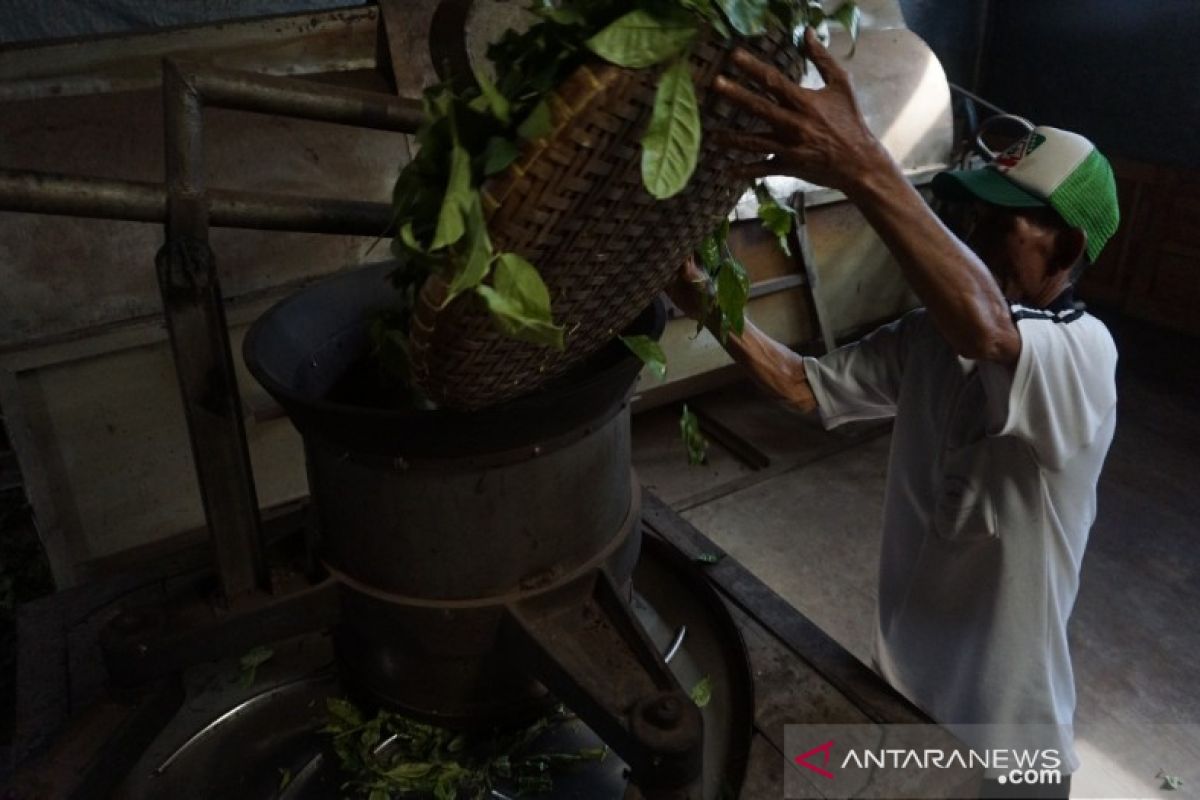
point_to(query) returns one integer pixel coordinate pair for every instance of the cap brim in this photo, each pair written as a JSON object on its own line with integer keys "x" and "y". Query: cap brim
{"x": 985, "y": 184}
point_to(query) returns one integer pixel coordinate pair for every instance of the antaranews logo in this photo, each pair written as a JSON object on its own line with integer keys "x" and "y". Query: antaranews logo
{"x": 803, "y": 758}
{"x": 919, "y": 761}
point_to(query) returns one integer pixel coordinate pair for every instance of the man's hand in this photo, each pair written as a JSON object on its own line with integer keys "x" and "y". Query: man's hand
{"x": 817, "y": 135}
{"x": 690, "y": 289}
{"x": 821, "y": 136}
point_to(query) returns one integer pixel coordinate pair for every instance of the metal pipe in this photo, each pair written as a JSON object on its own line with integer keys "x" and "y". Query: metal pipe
{"x": 102, "y": 198}
{"x": 290, "y": 97}
{"x": 229, "y": 209}
{"x": 195, "y": 315}
{"x": 990, "y": 106}
{"x": 183, "y": 129}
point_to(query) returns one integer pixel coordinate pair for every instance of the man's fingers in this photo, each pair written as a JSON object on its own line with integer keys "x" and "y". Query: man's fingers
{"x": 756, "y": 104}
{"x": 691, "y": 272}
{"x": 798, "y": 163}
{"x": 749, "y": 142}
{"x": 831, "y": 71}
{"x": 769, "y": 78}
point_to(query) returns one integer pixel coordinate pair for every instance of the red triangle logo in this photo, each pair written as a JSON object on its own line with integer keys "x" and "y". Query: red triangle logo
{"x": 802, "y": 759}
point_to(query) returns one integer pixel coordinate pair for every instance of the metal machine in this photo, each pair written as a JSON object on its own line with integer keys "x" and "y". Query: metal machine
{"x": 512, "y": 583}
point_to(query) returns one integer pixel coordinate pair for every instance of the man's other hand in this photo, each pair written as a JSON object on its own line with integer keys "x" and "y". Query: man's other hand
{"x": 689, "y": 290}
{"x": 818, "y": 135}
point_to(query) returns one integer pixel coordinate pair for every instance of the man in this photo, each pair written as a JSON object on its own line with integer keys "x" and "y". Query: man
{"x": 1002, "y": 391}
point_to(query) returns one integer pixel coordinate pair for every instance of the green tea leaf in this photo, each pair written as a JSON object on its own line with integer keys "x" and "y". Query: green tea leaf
{"x": 848, "y": 16}
{"x": 498, "y": 155}
{"x": 702, "y": 692}
{"x": 519, "y": 280}
{"x": 650, "y": 352}
{"x": 693, "y": 440}
{"x": 671, "y": 144}
{"x": 710, "y": 254}
{"x": 445, "y": 789}
{"x": 538, "y": 124}
{"x": 478, "y": 257}
{"x": 594, "y": 753}
{"x": 436, "y": 101}
{"x": 409, "y": 238}
{"x": 370, "y": 735}
{"x": 788, "y": 15}
{"x": 1169, "y": 783}
{"x": 774, "y": 217}
{"x": 343, "y": 713}
{"x": 640, "y": 39}
{"x": 497, "y": 103}
{"x": 250, "y": 663}
{"x": 709, "y": 13}
{"x": 410, "y": 770}
{"x": 451, "y": 222}
{"x": 520, "y": 302}
{"x": 285, "y": 777}
{"x": 733, "y": 290}
{"x": 562, "y": 16}
{"x": 748, "y": 17}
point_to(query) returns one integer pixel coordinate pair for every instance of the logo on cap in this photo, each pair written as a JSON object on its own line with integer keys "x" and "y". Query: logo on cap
{"x": 1017, "y": 151}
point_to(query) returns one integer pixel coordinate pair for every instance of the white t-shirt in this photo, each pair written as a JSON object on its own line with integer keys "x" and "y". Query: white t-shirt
{"x": 991, "y": 492}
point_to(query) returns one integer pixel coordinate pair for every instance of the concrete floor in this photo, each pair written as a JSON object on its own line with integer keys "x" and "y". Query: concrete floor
{"x": 806, "y": 521}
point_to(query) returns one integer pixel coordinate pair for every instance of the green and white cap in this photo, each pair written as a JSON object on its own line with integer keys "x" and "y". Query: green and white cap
{"x": 1048, "y": 167}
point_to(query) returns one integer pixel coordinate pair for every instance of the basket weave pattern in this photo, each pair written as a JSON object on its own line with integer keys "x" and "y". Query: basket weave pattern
{"x": 574, "y": 205}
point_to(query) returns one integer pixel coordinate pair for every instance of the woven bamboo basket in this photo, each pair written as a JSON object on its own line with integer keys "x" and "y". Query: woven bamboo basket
{"x": 574, "y": 205}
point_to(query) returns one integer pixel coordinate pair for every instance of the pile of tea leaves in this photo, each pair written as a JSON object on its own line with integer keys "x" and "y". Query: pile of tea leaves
{"x": 475, "y": 128}
{"x": 391, "y": 756}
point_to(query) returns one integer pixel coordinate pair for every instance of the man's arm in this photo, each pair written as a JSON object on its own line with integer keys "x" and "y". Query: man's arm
{"x": 774, "y": 367}
{"x": 821, "y": 136}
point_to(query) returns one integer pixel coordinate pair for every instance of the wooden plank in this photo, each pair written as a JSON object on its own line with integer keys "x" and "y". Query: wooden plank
{"x": 1151, "y": 267}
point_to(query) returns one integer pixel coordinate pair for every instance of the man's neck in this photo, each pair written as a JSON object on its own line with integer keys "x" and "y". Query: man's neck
{"x": 1051, "y": 296}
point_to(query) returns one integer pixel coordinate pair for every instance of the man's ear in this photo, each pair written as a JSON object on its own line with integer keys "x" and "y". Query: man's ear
{"x": 1069, "y": 247}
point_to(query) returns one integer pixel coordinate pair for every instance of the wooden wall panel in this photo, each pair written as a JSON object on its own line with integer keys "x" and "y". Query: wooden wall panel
{"x": 1151, "y": 268}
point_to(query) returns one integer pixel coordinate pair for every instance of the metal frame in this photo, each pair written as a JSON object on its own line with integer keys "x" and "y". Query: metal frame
{"x": 659, "y": 735}
{"x": 192, "y": 300}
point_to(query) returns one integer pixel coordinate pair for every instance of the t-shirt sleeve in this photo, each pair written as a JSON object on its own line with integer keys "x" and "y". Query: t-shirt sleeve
{"x": 1061, "y": 390}
{"x": 862, "y": 380}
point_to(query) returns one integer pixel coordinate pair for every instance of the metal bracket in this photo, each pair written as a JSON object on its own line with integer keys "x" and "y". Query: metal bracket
{"x": 596, "y": 657}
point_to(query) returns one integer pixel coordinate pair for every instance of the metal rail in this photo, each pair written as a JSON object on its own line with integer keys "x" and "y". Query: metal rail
{"x": 47, "y": 193}
{"x": 192, "y": 297}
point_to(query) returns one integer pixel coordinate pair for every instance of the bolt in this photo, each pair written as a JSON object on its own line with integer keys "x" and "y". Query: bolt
{"x": 665, "y": 712}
